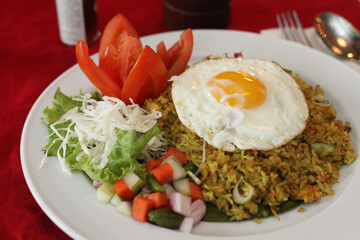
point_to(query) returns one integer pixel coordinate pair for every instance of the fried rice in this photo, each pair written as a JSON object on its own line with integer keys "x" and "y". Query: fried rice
{"x": 294, "y": 171}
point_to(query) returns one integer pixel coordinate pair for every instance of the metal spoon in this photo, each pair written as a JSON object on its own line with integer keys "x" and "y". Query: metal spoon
{"x": 339, "y": 35}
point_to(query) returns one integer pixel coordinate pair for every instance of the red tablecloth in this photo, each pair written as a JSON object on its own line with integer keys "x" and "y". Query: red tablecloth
{"x": 32, "y": 56}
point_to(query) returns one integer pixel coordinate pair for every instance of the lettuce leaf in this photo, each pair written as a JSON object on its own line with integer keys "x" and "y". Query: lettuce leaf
{"x": 62, "y": 104}
{"x": 127, "y": 149}
{"x": 122, "y": 157}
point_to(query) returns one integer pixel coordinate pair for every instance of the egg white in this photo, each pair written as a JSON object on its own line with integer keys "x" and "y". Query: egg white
{"x": 279, "y": 119}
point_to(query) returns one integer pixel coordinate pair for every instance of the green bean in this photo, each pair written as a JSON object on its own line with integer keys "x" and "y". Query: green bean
{"x": 154, "y": 184}
{"x": 190, "y": 167}
{"x": 165, "y": 218}
{"x": 214, "y": 215}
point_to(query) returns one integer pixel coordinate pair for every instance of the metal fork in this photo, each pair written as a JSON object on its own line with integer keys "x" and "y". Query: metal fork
{"x": 291, "y": 28}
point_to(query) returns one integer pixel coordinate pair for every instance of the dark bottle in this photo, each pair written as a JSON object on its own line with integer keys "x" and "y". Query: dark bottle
{"x": 181, "y": 14}
{"x": 77, "y": 20}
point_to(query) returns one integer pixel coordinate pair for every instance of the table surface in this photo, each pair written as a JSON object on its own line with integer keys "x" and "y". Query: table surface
{"x": 32, "y": 56}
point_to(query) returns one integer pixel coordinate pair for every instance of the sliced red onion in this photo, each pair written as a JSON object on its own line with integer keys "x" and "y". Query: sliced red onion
{"x": 97, "y": 184}
{"x": 169, "y": 189}
{"x": 186, "y": 225}
{"x": 180, "y": 203}
{"x": 198, "y": 210}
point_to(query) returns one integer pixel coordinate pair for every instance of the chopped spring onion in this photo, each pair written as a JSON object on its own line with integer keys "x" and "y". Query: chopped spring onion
{"x": 319, "y": 100}
{"x": 239, "y": 198}
{"x": 194, "y": 177}
{"x": 202, "y": 160}
{"x": 322, "y": 146}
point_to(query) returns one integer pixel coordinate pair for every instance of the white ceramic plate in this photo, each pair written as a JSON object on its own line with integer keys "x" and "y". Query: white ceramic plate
{"x": 70, "y": 200}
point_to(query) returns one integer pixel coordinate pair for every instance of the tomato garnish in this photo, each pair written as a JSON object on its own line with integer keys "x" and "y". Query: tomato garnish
{"x": 96, "y": 75}
{"x": 177, "y": 57}
{"x": 129, "y": 52}
{"x": 186, "y": 43}
{"x": 118, "y": 62}
{"x": 126, "y": 70}
{"x": 147, "y": 79}
{"x": 117, "y": 29}
{"x": 163, "y": 54}
{"x": 109, "y": 62}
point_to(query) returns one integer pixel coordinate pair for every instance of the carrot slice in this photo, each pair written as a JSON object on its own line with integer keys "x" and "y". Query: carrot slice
{"x": 141, "y": 207}
{"x": 158, "y": 199}
{"x": 179, "y": 155}
{"x": 163, "y": 173}
{"x": 195, "y": 192}
{"x": 152, "y": 164}
{"x": 122, "y": 189}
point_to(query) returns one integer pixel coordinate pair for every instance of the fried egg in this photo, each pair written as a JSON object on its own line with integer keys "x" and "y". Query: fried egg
{"x": 243, "y": 103}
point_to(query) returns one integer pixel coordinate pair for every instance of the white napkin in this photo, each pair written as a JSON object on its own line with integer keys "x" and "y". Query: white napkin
{"x": 316, "y": 42}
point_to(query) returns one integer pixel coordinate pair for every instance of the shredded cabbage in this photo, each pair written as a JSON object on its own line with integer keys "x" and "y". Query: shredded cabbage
{"x": 96, "y": 122}
{"x": 88, "y": 133}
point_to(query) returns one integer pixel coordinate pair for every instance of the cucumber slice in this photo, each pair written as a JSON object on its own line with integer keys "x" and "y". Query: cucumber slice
{"x": 125, "y": 208}
{"x": 178, "y": 170}
{"x": 174, "y": 158}
{"x": 133, "y": 181}
{"x": 115, "y": 200}
{"x": 182, "y": 186}
{"x": 105, "y": 192}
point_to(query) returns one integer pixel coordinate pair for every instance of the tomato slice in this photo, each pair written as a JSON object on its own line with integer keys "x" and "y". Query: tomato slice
{"x": 174, "y": 53}
{"x": 177, "y": 57}
{"x": 126, "y": 70}
{"x": 97, "y": 76}
{"x": 117, "y": 62}
{"x": 129, "y": 52}
{"x": 109, "y": 62}
{"x": 147, "y": 79}
{"x": 117, "y": 29}
{"x": 163, "y": 53}
{"x": 180, "y": 53}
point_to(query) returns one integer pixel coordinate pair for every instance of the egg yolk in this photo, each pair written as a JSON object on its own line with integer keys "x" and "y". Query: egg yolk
{"x": 237, "y": 89}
